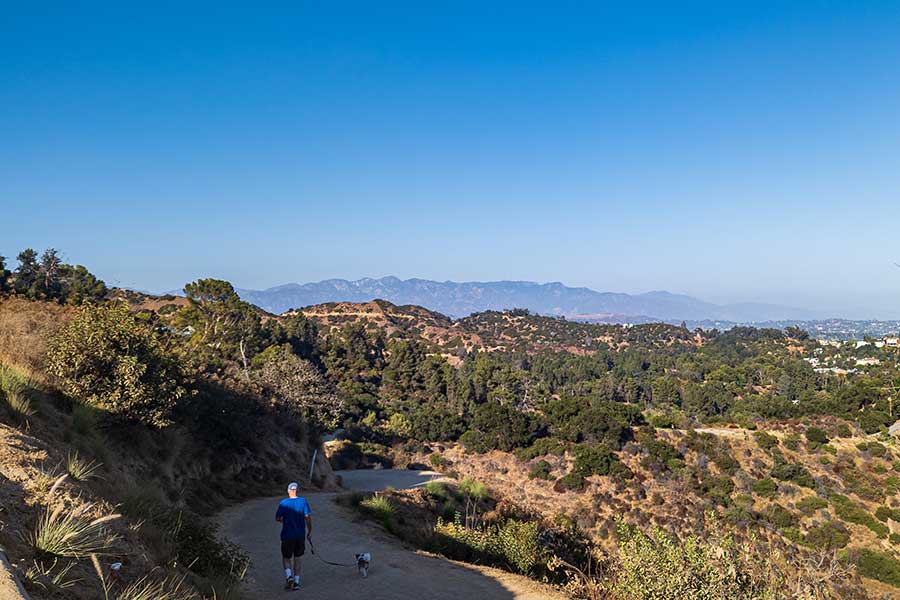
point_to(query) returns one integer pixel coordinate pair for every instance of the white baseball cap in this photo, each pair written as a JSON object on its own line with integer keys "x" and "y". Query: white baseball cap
{"x": 293, "y": 486}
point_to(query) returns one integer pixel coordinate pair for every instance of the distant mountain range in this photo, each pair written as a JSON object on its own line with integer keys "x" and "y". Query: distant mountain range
{"x": 462, "y": 299}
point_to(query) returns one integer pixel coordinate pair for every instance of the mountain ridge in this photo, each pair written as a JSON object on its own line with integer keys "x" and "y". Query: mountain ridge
{"x": 459, "y": 299}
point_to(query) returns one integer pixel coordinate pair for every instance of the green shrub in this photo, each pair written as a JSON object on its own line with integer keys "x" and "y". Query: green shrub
{"x": 198, "y": 545}
{"x": 883, "y": 513}
{"x": 659, "y": 452}
{"x": 793, "y": 472}
{"x": 892, "y": 484}
{"x": 862, "y": 484}
{"x": 843, "y": 431}
{"x": 828, "y": 535}
{"x": 573, "y": 481}
{"x": 473, "y": 441}
{"x": 779, "y": 516}
{"x": 717, "y": 489}
{"x": 438, "y": 462}
{"x": 894, "y": 538}
{"x": 540, "y": 470}
{"x": 518, "y": 544}
{"x": 816, "y": 437}
{"x": 791, "y": 441}
{"x": 743, "y": 500}
{"x": 658, "y": 566}
{"x": 436, "y": 489}
{"x": 715, "y": 449}
{"x": 665, "y": 420}
{"x": 830, "y": 450}
{"x": 880, "y": 566}
{"x": 380, "y": 507}
{"x": 595, "y": 460}
{"x": 765, "y": 487}
{"x": 877, "y": 450}
{"x": 764, "y": 440}
{"x": 540, "y": 447}
{"x": 850, "y": 512}
{"x": 514, "y": 544}
{"x": 810, "y": 504}
{"x": 107, "y": 358}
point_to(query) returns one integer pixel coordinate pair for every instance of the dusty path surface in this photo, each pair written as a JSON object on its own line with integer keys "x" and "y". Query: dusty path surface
{"x": 396, "y": 572}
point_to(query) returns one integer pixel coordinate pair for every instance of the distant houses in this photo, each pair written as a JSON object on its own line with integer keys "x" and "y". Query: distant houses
{"x": 889, "y": 342}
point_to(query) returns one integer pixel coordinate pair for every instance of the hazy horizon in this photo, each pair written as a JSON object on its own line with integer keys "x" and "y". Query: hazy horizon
{"x": 733, "y": 154}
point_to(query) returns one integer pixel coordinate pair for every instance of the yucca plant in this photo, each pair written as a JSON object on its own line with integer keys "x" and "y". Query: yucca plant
{"x": 81, "y": 468}
{"x": 70, "y": 532}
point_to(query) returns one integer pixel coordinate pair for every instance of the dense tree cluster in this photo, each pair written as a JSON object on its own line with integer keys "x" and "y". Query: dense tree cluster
{"x": 47, "y": 277}
{"x": 509, "y": 398}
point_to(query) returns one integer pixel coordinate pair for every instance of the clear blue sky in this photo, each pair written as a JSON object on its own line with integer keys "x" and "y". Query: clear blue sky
{"x": 730, "y": 152}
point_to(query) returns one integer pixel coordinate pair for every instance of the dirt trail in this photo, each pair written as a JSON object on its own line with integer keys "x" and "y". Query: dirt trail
{"x": 396, "y": 572}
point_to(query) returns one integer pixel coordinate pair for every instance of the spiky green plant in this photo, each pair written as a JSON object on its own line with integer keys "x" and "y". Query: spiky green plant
{"x": 80, "y": 468}
{"x": 50, "y": 578}
{"x": 68, "y": 531}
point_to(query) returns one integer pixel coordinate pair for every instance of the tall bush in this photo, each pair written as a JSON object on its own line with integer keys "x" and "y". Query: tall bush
{"x": 109, "y": 359}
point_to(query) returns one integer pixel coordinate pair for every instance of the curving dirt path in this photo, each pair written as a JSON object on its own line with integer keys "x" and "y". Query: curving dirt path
{"x": 396, "y": 572}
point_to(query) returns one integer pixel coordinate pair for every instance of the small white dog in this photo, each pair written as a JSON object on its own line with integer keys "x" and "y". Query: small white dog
{"x": 362, "y": 563}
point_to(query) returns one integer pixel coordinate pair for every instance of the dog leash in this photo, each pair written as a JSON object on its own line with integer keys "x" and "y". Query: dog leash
{"x": 312, "y": 549}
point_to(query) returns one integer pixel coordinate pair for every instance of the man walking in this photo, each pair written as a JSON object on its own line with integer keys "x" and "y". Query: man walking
{"x": 294, "y": 515}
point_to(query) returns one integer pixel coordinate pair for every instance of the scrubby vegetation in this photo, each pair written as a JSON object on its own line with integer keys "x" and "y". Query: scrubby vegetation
{"x": 122, "y": 424}
{"x": 655, "y": 424}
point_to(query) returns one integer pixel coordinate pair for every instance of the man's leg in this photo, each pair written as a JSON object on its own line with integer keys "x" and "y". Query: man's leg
{"x": 297, "y": 570}
{"x": 286, "y": 562}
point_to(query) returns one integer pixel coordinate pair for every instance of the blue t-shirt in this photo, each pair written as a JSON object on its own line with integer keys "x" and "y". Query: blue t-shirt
{"x": 293, "y": 511}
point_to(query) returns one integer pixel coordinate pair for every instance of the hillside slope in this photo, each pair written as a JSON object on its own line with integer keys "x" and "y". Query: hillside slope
{"x": 152, "y": 488}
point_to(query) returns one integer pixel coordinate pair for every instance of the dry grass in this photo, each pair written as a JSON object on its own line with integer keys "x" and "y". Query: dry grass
{"x": 15, "y": 391}
{"x": 25, "y": 327}
{"x": 149, "y": 587}
{"x": 46, "y": 481}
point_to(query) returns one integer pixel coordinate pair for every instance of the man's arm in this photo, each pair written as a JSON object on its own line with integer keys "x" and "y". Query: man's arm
{"x": 308, "y": 526}
{"x": 279, "y": 516}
